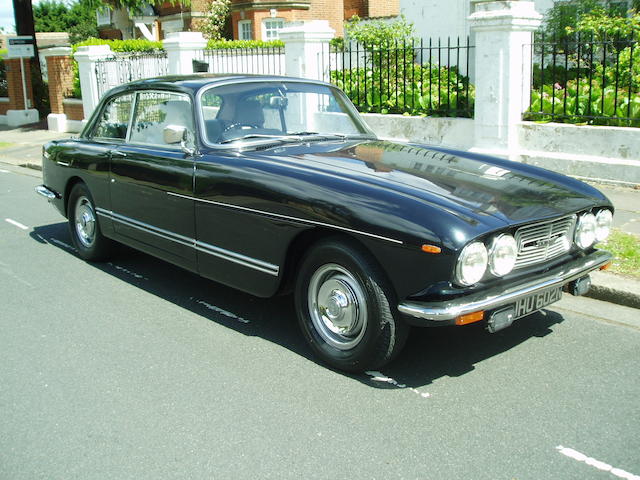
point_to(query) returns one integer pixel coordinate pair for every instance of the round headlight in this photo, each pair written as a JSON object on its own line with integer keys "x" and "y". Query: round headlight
{"x": 502, "y": 255}
{"x": 472, "y": 264}
{"x": 586, "y": 231}
{"x": 604, "y": 219}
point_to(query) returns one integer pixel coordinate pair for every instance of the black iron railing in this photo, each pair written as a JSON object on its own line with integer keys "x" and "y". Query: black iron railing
{"x": 127, "y": 67}
{"x": 584, "y": 79}
{"x": 258, "y": 60}
{"x": 426, "y": 77}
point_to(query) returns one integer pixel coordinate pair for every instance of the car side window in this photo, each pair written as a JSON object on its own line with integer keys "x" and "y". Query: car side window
{"x": 213, "y": 125}
{"x": 155, "y": 111}
{"x": 114, "y": 120}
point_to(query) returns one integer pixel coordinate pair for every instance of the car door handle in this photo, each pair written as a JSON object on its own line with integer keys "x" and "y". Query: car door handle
{"x": 118, "y": 153}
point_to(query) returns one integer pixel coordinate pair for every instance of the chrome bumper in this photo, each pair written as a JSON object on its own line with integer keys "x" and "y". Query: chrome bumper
{"x": 46, "y": 192}
{"x": 494, "y": 298}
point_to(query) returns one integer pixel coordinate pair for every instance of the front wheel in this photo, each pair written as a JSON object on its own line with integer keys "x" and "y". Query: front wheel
{"x": 344, "y": 308}
{"x": 84, "y": 226}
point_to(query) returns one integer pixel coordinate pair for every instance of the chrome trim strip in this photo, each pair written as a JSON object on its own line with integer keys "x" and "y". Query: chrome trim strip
{"x": 46, "y": 192}
{"x": 497, "y": 297}
{"x": 203, "y": 247}
{"x": 64, "y": 164}
{"x": 287, "y": 217}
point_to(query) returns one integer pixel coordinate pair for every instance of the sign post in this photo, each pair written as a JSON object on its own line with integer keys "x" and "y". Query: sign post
{"x": 22, "y": 47}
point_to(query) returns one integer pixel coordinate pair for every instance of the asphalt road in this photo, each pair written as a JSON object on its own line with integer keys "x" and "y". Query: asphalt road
{"x": 136, "y": 369}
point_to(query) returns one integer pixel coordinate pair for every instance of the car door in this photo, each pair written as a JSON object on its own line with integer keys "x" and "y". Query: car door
{"x": 150, "y": 179}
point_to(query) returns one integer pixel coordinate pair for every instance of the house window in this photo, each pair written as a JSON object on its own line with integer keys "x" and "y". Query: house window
{"x": 244, "y": 30}
{"x": 271, "y": 27}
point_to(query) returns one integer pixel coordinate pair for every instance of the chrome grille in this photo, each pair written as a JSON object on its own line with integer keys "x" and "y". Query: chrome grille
{"x": 543, "y": 241}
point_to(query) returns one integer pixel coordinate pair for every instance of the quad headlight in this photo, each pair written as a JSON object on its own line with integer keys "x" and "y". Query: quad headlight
{"x": 586, "y": 231}
{"x": 472, "y": 264}
{"x": 502, "y": 255}
{"x": 604, "y": 219}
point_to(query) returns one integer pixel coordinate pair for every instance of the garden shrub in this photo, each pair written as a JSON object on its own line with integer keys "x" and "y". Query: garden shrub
{"x": 226, "y": 44}
{"x": 414, "y": 90}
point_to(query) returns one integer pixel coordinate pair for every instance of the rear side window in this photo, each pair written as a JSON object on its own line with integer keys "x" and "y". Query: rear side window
{"x": 114, "y": 120}
{"x": 155, "y": 111}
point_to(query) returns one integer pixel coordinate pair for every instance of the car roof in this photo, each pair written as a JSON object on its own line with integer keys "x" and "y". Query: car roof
{"x": 195, "y": 82}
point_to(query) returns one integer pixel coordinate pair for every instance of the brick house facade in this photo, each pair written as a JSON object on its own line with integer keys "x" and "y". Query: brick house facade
{"x": 260, "y": 19}
{"x": 253, "y": 19}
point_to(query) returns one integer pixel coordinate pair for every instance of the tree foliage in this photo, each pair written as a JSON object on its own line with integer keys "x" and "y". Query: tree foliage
{"x": 564, "y": 17}
{"x": 603, "y": 25}
{"x": 79, "y": 18}
{"x": 217, "y": 14}
{"x": 379, "y": 32}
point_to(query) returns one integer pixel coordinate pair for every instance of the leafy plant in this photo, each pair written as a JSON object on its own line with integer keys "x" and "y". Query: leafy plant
{"x": 421, "y": 90}
{"x": 3, "y": 76}
{"x": 580, "y": 102}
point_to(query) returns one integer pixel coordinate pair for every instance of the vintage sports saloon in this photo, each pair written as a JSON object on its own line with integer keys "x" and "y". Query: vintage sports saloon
{"x": 275, "y": 184}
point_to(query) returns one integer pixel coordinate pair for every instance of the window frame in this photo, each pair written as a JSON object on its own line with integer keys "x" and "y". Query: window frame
{"x": 107, "y": 104}
{"x": 241, "y": 24}
{"x": 265, "y": 29}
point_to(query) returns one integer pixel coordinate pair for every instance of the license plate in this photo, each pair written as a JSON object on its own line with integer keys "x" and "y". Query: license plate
{"x": 535, "y": 302}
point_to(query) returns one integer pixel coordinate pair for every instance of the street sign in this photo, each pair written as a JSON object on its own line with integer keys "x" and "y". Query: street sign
{"x": 20, "y": 47}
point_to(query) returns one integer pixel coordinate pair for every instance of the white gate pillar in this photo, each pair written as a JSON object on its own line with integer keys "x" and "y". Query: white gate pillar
{"x": 306, "y": 48}
{"x": 182, "y": 48}
{"x": 87, "y": 57}
{"x": 504, "y": 33}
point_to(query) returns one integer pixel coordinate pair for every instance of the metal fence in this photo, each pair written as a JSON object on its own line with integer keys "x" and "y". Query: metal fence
{"x": 425, "y": 77}
{"x": 126, "y": 67}
{"x": 263, "y": 60}
{"x": 584, "y": 79}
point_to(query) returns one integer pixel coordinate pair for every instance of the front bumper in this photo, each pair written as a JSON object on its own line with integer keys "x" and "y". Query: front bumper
{"x": 47, "y": 192}
{"x": 491, "y": 299}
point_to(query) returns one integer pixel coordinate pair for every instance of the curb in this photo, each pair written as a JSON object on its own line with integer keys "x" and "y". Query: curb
{"x": 613, "y": 288}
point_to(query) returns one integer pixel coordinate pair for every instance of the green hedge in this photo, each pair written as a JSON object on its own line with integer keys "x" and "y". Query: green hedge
{"x": 134, "y": 45}
{"x": 225, "y": 44}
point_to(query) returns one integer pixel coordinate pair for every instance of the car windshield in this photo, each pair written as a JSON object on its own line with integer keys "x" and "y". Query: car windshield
{"x": 286, "y": 111}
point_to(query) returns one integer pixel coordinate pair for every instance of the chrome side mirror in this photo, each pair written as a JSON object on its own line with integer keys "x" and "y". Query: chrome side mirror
{"x": 173, "y": 134}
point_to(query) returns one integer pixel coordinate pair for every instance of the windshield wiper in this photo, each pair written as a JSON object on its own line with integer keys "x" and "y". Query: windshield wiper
{"x": 254, "y": 135}
{"x": 319, "y": 136}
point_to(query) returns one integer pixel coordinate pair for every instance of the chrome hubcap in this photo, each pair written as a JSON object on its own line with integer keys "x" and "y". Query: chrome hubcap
{"x": 85, "y": 220}
{"x": 337, "y": 306}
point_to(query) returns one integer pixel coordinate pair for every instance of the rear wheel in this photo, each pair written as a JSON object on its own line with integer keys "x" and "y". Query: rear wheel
{"x": 345, "y": 308}
{"x": 84, "y": 226}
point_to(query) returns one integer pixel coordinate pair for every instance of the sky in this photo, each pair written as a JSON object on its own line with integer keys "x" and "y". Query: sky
{"x": 6, "y": 15}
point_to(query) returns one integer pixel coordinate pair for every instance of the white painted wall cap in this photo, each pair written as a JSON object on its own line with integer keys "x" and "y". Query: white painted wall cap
{"x": 184, "y": 40}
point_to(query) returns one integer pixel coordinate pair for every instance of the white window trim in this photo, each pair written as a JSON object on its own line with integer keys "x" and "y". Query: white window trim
{"x": 241, "y": 23}
{"x": 264, "y": 27}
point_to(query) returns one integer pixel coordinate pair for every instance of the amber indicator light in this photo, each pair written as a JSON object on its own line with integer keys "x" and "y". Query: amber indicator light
{"x": 431, "y": 249}
{"x": 605, "y": 266}
{"x": 470, "y": 318}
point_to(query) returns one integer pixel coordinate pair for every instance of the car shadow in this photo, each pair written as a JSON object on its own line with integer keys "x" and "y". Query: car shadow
{"x": 430, "y": 353}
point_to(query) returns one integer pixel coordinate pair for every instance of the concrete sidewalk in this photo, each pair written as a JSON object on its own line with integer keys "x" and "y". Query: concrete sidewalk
{"x": 25, "y": 150}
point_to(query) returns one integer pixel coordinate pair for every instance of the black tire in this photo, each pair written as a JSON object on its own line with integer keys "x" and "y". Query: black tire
{"x": 345, "y": 308}
{"x": 84, "y": 226}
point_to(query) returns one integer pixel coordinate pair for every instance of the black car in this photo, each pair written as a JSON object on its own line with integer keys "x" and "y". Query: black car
{"x": 275, "y": 184}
